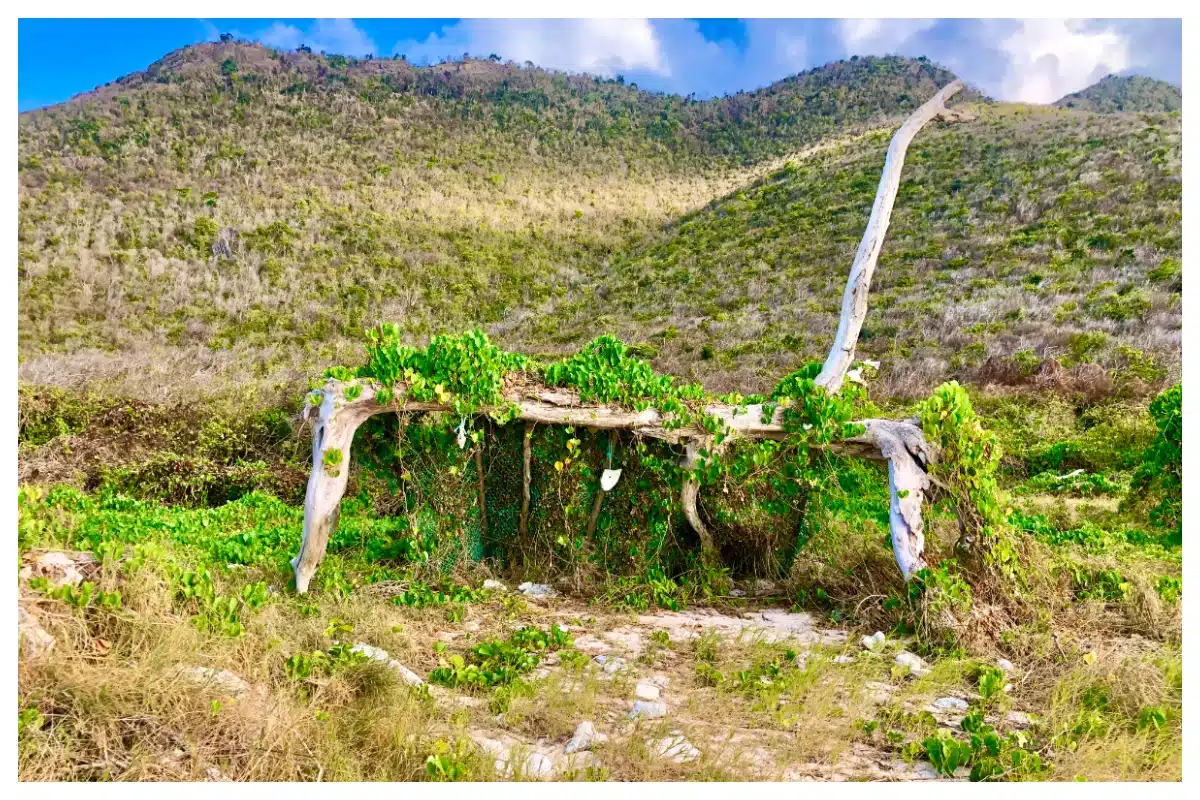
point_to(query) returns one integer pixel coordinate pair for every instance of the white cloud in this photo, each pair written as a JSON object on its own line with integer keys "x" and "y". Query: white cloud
{"x": 1050, "y": 58}
{"x": 340, "y": 36}
{"x": 879, "y": 36}
{"x": 597, "y": 46}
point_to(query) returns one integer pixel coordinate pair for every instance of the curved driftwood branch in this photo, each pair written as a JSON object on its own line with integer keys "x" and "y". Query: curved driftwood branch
{"x": 339, "y": 418}
{"x": 854, "y": 301}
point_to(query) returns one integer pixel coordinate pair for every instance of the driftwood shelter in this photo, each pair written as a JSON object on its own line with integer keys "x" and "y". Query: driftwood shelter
{"x": 900, "y": 443}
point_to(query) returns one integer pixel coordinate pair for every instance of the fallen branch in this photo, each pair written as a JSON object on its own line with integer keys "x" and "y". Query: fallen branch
{"x": 900, "y": 443}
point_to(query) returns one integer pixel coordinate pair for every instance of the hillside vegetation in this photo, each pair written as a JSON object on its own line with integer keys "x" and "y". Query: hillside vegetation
{"x": 1126, "y": 93}
{"x": 204, "y": 243}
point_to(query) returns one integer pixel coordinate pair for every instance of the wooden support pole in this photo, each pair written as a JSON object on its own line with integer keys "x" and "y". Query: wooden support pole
{"x": 482, "y": 491}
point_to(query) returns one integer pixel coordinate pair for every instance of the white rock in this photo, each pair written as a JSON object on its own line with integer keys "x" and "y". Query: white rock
{"x": 1004, "y": 664}
{"x": 647, "y": 691}
{"x": 536, "y": 589}
{"x": 59, "y": 567}
{"x": 647, "y": 709}
{"x": 916, "y": 666}
{"x": 661, "y": 681}
{"x": 494, "y": 586}
{"x": 611, "y": 664}
{"x": 222, "y": 679}
{"x": 874, "y": 641}
{"x": 737, "y": 592}
{"x": 34, "y": 641}
{"x": 539, "y": 765}
{"x": 380, "y": 655}
{"x": 586, "y": 736}
{"x": 675, "y": 748}
{"x": 843, "y": 659}
{"x": 801, "y": 660}
{"x": 951, "y": 704}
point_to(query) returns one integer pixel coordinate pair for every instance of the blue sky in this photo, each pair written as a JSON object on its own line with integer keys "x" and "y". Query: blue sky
{"x": 1029, "y": 60}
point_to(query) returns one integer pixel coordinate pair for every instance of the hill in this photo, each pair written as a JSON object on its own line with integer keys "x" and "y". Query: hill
{"x": 1126, "y": 93}
{"x": 342, "y": 192}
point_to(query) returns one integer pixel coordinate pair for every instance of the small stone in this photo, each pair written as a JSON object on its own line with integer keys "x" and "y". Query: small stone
{"x": 647, "y": 709}
{"x": 647, "y": 691}
{"x": 874, "y": 641}
{"x": 914, "y": 663}
{"x": 536, "y": 589}
{"x": 214, "y": 774}
{"x": 661, "y": 681}
{"x": 59, "y": 567}
{"x": 737, "y": 592}
{"x": 585, "y": 737}
{"x": 539, "y": 765}
{"x": 843, "y": 659}
{"x": 34, "y": 640}
{"x": 223, "y": 679}
{"x": 1005, "y": 664}
{"x": 611, "y": 664}
{"x": 1018, "y": 719}
{"x": 878, "y": 692}
{"x": 801, "y": 660}
{"x": 675, "y": 748}
{"x": 951, "y": 704}
{"x": 494, "y": 586}
{"x": 541, "y": 672}
{"x": 380, "y": 655}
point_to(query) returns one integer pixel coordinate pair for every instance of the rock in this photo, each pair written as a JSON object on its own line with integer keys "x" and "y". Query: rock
{"x": 874, "y": 641}
{"x": 538, "y": 765}
{"x": 61, "y": 568}
{"x": 878, "y": 692}
{"x": 951, "y": 704}
{"x": 915, "y": 665}
{"x": 536, "y": 590}
{"x": 647, "y": 691}
{"x": 222, "y": 679}
{"x": 540, "y": 673}
{"x": 214, "y": 774}
{"x": 648, "y": 710}
{"x": 33, "y": 639}
{"x": 1018, "y": 719}
{"x": 586, "y": 736}
{"x": 674, "y": 747}
{"x": 761, "y": 587}
{"x": 1005, "y": 664}
{"x": 925, "y": 771}
{"x": 843, "y": 659}
{"x": 494, "y": 586}
{"x": 661, "y": 681}
{"x": 611, "y": 664}
{"x": 801, "y": 660}
{"x": 737, "y": 592}
{"x": 380, "y": 655}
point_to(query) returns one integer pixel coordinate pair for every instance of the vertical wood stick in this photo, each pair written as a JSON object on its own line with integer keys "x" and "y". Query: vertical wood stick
{"x": 527, "y": 459}
{"x": 482, "y": 491}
